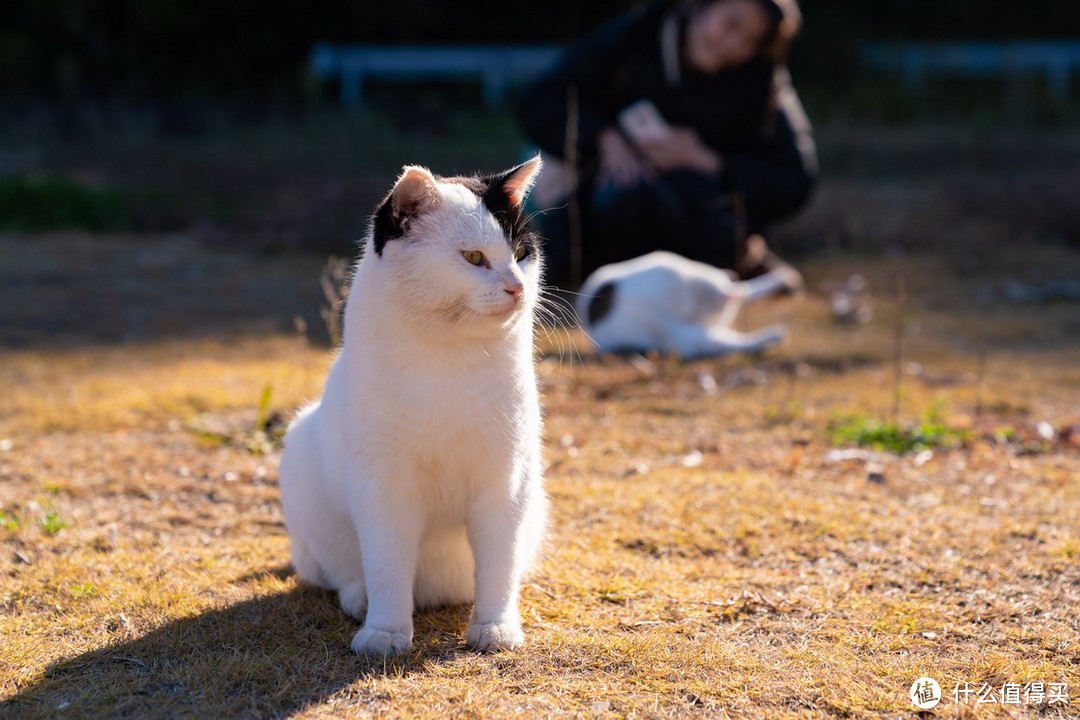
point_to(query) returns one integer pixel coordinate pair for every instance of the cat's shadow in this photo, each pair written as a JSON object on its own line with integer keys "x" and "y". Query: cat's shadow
{"x": 267, "y": 657}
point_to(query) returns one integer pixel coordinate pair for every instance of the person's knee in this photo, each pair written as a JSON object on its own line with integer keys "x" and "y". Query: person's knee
{"x": 786, "y": 202}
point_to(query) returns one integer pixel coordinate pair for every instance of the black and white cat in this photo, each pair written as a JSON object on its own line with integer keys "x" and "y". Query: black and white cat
{"x": 665, "y": 302}
{"x": 416, "y": 480}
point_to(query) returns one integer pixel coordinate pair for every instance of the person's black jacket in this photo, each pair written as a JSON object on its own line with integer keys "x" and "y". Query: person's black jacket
{"x": 750, "y": 114}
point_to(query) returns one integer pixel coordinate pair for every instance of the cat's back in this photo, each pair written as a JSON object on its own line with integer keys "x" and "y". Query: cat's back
{"x": 638, "y": 294}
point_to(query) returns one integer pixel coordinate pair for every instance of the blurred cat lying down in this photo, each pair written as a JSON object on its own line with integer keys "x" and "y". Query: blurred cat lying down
{"x": 666, "y": 303}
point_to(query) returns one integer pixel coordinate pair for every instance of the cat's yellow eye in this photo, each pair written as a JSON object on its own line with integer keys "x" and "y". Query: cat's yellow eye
{"x": 520, "y": 253}
{"x": 473, "y": 256}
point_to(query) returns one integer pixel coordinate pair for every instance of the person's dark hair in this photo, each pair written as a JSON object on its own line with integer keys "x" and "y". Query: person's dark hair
{"x": 786, "y": 20}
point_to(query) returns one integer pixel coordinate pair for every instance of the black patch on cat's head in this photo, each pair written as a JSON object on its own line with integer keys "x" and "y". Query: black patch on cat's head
{"x": 383, "y": 226}
{"x": 515, "y": 226}
{"x": 413, "y": 194}
{"x": 519, "y": 233}
{"x": 601, "y": 303}
{"x": 503, "y": 195}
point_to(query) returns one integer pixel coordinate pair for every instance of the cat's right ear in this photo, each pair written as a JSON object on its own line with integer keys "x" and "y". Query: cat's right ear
{"x": 414, "y": 193}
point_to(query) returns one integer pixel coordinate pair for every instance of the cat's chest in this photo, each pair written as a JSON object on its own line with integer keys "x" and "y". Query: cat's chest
{"x": 444, "y": 412}
{"x": 450, "y": 434}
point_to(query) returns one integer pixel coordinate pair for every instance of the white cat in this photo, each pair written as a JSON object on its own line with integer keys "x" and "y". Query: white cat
{"x": 416, "y": 480}
{"x": 665, "y": 302}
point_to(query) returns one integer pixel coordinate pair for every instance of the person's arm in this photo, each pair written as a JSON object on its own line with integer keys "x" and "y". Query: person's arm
{"x": 590, "y": 68}
{"x": 681, "y": 149}
{"x": 620, "y": 164}
{"x": 777, "y": 178}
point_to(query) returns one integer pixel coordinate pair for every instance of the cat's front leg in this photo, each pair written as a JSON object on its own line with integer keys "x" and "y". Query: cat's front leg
{"x": 389, "y": 540}
{"x": 495, "y": 534}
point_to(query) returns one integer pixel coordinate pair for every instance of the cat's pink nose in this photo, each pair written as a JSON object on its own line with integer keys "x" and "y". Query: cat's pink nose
{"x": 515, "y": 290}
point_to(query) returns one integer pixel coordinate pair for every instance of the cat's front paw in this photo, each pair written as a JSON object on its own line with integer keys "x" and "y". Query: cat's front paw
{"x": 380, "y": 643}
{"x": 495, "y": 636}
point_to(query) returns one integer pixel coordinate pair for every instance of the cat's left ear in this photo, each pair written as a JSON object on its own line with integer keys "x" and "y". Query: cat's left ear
{"x": 518, "y": 181}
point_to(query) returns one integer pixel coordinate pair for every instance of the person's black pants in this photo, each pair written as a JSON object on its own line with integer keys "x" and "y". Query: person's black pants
{"x": 684, "y": 212}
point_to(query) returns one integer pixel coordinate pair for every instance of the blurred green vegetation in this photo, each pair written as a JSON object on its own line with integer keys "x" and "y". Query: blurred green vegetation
{"x": 56, "y": 203}
{"x": 306, "y": 182}
{"x": 890, "y": 437}
{"x": 310, "y": 182}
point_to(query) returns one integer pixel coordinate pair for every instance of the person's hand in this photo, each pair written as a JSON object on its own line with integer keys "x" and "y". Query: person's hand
{"x": 620, "y": 164}
{"x": 680, "y": 149}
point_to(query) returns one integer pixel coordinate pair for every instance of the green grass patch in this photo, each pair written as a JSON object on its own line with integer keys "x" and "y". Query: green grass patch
{"x": 83, "y": 591}
{"x": 9, "y": 520}
{"x": 894, "y": 438}
{"x": 53, "y": 523}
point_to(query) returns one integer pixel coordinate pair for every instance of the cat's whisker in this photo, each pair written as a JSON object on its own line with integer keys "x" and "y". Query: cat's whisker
{"x": 545, "y": 211}
{"x": 562, "y": 307}
{"x": 560, "y": 304}
{"x": 550, "y": 290}
{"x": 554, "y": 310}
{"x": 565, "y": 347}
{"x": 479, "y": 221}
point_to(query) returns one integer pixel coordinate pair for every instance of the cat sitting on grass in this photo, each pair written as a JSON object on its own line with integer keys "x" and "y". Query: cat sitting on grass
{"x": 665, "y": 302}
{"x": 416, "y": 480}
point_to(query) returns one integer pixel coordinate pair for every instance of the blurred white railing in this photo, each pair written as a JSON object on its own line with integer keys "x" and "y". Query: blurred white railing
{"x": 923, "y": 62}
{"x": 496, "y": 66}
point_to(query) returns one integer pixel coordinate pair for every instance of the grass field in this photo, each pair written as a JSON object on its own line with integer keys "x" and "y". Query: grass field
{"x": 726, "y": 539}
{"x": 802, "y": 534}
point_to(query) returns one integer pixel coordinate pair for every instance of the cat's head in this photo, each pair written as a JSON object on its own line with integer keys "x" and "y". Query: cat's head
{"x": 459, "y": 249}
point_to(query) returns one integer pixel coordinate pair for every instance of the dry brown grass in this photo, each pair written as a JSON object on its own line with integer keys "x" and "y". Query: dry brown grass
{"x": 708, "y": 557}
